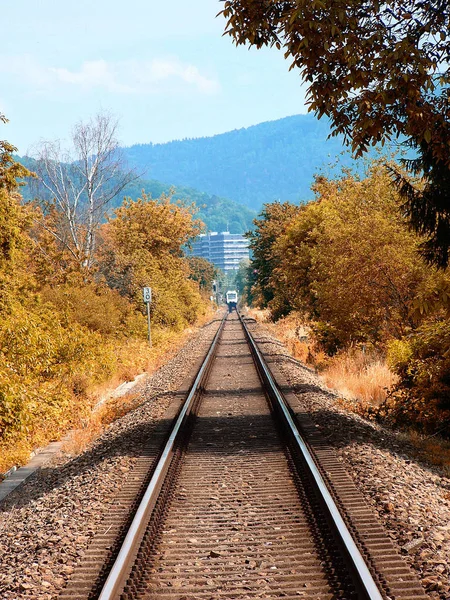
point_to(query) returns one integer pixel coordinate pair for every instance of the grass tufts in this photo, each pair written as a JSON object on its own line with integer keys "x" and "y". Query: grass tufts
{"x": 360, "y": 376}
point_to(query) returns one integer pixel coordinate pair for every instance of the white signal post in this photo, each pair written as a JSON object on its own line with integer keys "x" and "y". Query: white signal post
{"x": 147, "y": 294}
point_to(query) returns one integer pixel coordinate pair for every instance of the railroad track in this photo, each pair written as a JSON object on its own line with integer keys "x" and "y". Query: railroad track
{"x": 240, "y": 504}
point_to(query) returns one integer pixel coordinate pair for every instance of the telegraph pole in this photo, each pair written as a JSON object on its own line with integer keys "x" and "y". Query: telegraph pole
{"x": 147, "y": 294}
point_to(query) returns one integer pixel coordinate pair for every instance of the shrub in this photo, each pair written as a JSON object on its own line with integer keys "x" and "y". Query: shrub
{"x": 399, "y": 352}
{"x": 422, "y": 396}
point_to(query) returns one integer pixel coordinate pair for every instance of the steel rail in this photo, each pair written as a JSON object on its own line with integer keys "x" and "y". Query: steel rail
{"x": 366, "y": 583}
{"x": 120, "y": 570}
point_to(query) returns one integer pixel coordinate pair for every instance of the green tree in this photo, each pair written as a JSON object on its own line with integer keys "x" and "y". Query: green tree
{"x": 379, "y": 70}
{"x": 243, "y": 280}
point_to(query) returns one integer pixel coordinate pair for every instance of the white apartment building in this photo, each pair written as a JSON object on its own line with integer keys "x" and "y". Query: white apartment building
{"x": 225, "y": 250}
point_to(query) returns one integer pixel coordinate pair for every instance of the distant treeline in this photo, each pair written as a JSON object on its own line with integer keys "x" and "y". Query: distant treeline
{"x": 271, "y": 161}
{"x": 218, "y": 214}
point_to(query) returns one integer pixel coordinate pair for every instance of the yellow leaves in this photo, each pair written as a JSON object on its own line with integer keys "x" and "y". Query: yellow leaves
{"x": 42, "y": 354}
{"x": 350, "y": 259}
{"x": 427, "y": 136}
{"x": 421, "y": 306}
{"x": 57, "y": 342}
{"x": 143, "y": 247}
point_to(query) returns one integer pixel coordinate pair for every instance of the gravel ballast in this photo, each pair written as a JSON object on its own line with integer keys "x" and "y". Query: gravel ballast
{"x": 411, "y": 497}
{"x": 47, "y": 523}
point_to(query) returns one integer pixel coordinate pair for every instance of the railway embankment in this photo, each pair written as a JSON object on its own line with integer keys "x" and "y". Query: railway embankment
{"x": 47, "y": 525}
{"x": 411, "y": 496}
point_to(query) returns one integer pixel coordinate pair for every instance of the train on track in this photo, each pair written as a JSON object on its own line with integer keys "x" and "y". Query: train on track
{"x": 232, "y": 300}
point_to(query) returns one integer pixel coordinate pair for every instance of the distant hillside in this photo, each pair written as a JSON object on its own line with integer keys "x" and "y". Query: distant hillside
{"x": 273, "y": 160}
{"x": 219, "y": 214}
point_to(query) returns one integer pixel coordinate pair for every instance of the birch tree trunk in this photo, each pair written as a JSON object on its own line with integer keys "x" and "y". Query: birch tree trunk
{"x": 81, "y": 182}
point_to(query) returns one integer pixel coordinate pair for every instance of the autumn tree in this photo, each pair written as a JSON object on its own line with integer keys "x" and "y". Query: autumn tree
{"x": 78, "y": 184}
{"x": 202, "y": 271}
{"x": 269, "y": 226}
{"x": 379, "y": 70}
{"x": 61, "y": 333}
{"x": 14, "y": 220}
{"x": 365, "y": 271}
{"x": 142, "y": 246}
{"x": 40, "y": 354}
{"x": 291, "y": 276}
{"x": 348, "y": 263}
{"x": 10, "y": 169}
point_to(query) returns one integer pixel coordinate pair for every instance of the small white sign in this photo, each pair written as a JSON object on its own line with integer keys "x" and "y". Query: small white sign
{"x": 147, "y": 294}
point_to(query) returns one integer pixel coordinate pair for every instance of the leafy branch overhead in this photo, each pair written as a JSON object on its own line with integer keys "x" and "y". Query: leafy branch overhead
{"x": 379, "y": 70}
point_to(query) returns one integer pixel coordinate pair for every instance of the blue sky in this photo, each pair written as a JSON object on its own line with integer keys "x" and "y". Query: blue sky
{"x": 162, "y": 67}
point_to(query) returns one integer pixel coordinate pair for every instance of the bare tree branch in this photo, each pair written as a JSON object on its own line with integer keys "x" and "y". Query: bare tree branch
{"x": 81, "y": 183}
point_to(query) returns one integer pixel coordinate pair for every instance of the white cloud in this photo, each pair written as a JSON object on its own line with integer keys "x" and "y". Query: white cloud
{"x": 96, "y": 73}
{"x": 122, "y": 77}
{"x": 159, "y": 70}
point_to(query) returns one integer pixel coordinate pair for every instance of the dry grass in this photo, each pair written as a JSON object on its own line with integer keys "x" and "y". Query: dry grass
{"x": 137, "y": 358}
{"x": 79, "y": 439}
{"x": 262, "y": 316}
{"x": 432, "y": 448}
{"x": 359, "y": 376}
{"x": 294, "y": 334}
{"x": 362, "y": 378}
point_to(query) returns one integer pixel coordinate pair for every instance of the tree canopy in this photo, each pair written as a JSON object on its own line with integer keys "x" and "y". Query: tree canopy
{"x": 379, "y": 70}
{"x": 65, "y": 330}
{"x": 347, "y": 260}
{"x": 142, "y": 246}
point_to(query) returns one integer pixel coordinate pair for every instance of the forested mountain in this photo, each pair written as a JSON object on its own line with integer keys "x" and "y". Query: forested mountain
{"x": 265, "y": 162}
{"x": 219, "y": 214}
{"x": 236, "y": 171}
